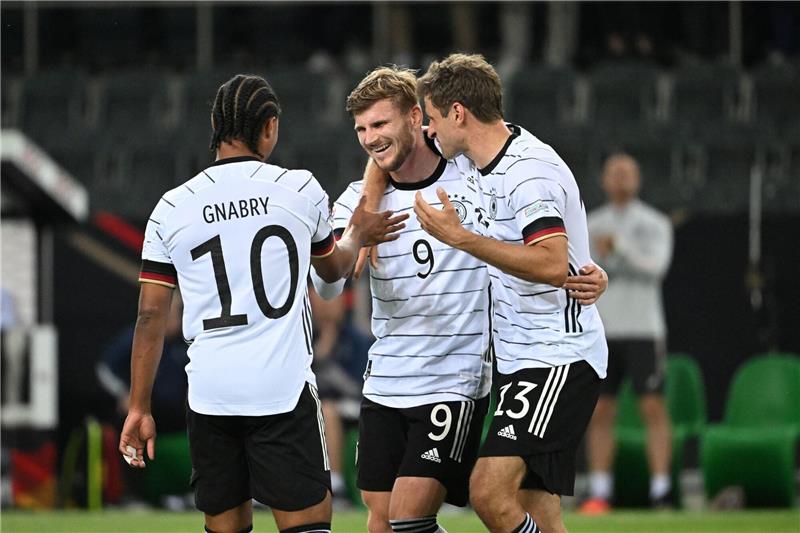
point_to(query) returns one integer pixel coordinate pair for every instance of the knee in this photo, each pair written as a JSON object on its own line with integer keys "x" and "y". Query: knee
{"x": 480, "y": 496}
{"x": 653, "y": 409}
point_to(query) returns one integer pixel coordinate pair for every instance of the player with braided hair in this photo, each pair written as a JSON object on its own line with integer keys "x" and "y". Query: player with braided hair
{"x": 240, "y": 238}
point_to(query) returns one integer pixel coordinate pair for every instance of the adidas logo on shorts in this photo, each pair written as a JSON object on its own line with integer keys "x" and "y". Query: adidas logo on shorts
{"x": 508, "y": 432}
{"x": 432, "y": 455}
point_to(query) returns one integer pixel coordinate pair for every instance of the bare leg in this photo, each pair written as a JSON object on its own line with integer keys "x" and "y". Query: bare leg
{"x": 600, "y": 435}
{"x": 416, "y": 497}
{"x": 334, "y": 436}
{"x": 659, "y": 433}
{"x": 544, "y": 508}
{"x": 320, "y": 512}
{"x": 232, "y": 520}
{"x": 378, "y": 510}
{"x": 494, "y": 485}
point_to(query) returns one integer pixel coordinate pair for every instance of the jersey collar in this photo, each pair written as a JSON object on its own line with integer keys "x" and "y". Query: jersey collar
{"x": 515, "y": 131}
{"x": 237, "y": 159}
{"x": 430, "y": 180}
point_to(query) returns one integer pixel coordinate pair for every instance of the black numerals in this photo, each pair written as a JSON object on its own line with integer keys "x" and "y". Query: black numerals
{"x": 258, "y": 276}
{"x": 427, "y": 259}
{"x": 214, "y": 247}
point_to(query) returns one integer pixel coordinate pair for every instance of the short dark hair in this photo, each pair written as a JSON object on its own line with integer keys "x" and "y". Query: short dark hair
{"x": 467, "y": 79}
{"x": 242, "y": 107}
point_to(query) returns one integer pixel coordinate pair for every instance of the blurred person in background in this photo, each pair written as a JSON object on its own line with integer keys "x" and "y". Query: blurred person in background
{"x": 113, "y": 372}
{"x": 340, "y": 356}
{"x": 169, "y": 390}
{"x": 633, "y": 242}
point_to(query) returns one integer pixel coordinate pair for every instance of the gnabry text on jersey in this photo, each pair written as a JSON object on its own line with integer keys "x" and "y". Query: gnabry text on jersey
{"x": 235, "y": 209}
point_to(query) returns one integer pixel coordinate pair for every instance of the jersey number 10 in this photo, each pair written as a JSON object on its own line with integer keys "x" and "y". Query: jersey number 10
{"x": 213, "y": 246}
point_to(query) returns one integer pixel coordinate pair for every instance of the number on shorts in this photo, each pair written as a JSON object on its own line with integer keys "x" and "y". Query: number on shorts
{"x": 527, "y": 386}
{"x": 446, "y": 423}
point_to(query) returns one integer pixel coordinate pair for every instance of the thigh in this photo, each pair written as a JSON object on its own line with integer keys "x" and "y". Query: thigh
{"x": 220, "y": 475}
{"x": 646, "y": 363}
{"x": 382, "y": 435}
{"x": 443, "y": 442}
{"x": 287, "y": 456}
{"x": 541, "y": 416}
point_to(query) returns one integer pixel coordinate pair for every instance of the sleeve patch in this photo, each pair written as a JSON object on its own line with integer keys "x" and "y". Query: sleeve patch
{"x": 156, "y": 272}
{"x": 543, "y": 228}
{"x": 323, "y": 247}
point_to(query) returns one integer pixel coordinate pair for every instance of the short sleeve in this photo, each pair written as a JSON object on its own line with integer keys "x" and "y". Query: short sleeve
{"x": 322, "y": 242}
{"x": 157, "y": 266}
{"x": 344, "y": 206}
{"x": 538, "y": 204}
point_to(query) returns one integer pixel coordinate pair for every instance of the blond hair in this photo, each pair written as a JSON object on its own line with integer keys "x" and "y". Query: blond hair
{"x": 467, "y": 79}
{"x": 399, "y": 84}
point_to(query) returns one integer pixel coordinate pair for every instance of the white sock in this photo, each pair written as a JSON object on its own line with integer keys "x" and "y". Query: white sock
{"x": 600, "y": 485}
{"x": 659, "y": 486}
{"x": 337, "y": 483}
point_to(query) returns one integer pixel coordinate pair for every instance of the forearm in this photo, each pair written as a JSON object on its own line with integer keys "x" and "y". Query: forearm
{"x": 148, "y": 344}
{"x": 340, "y": 263}
{"x": 327, "y": 290}
{"x": 375, "y": 183}
{"x": 539, "y": 263}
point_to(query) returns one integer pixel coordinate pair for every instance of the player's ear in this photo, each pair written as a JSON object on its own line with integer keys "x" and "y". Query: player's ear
{"x": 458, "y": 112}
{"x": 416, "y": 116}
{"x": 271, "y": 127}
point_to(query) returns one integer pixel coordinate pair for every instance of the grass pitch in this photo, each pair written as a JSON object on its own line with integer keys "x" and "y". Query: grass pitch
{"x": 151, "y": 521}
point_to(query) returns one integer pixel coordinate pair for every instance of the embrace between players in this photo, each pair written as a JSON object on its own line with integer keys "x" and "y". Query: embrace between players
{"x": 481, "y": 261}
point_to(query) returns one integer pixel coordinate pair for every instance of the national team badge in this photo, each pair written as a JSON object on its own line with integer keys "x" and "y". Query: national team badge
{"x": 460, "y": 208}
{"x": 493, "y": 204}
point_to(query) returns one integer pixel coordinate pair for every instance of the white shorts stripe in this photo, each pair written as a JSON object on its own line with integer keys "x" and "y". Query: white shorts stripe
{"x": 541, "y": 399}
{"x": 467, "y": 424}
{"x": 550, "y": 393}
{"x": 321, "y": 425}
{"x": 553, "y": 403}
{"x": 459, "y": 430}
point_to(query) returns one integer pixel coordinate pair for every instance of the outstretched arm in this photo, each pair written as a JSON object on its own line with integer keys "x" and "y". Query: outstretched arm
{"x": 365, "y": 229}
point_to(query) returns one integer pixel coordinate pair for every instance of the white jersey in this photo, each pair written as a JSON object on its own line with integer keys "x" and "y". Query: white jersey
{"x": 430, "y": 304}
{"x": 631, "y": 307}
{"x": 527, "y": 194}
{"x": 238, "y": 239}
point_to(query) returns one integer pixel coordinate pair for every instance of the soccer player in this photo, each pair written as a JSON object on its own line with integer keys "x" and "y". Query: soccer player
{"x": 635, "y": 242}
{"x": 429, "y": 371}
{"x": 239, "y": 238}
{"x": 550, "y": 350}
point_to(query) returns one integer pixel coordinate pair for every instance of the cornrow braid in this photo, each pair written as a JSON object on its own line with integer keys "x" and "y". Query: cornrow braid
{"x": 242, "y": 107}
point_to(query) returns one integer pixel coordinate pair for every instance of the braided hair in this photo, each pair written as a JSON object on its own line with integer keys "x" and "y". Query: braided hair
{"x": 241, "y": 108}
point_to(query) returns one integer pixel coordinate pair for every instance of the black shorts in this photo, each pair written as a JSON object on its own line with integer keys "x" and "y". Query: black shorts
{"x": 280, "y": 460}
{"x": 644, "y": 360}
{"x": 541, "y": 416}
{"x": 438, "y": 440}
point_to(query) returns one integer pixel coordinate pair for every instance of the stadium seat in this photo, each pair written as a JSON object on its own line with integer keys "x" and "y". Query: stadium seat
{"x": 754, "y": 446}
{"x": 622, "y": 93}
{"x": 540, "y": 96}
{"x": 728, "y": 157}
{"x": 705, "y": 93}
{"x": 686, "y": 404}
{"x": 52, "y": 104}
{"x": 170, "y": 473}
{"x": 774, "y": 104}
{"x": 134, "y": 103}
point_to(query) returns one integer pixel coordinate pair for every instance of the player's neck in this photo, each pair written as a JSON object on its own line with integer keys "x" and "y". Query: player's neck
{"x": 234, "y": 148}
{"x": 419, "y": 165}
{"x": 485, "y": 141}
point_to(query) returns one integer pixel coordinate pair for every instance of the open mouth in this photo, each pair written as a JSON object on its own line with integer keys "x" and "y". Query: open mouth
{"x": 382, "y": 148}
